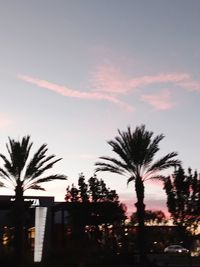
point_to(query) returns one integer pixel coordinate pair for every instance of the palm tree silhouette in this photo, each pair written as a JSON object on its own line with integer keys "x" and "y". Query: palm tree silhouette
{"x": 20, "y": 174}
{"x": 136, "y": 150}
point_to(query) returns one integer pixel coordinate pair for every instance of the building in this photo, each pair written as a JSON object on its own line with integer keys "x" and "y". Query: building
{"x": 37, "y": 224}
{"x": 49, "y": 223}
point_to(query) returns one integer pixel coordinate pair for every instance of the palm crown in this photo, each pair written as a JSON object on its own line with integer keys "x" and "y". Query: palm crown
{"x": 19, "y": 171}
{"x": 136, "y": 151}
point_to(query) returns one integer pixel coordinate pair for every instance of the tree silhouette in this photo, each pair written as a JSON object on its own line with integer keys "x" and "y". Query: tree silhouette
{"x": 20, "y": 174}
{"x": 183, "y": 198}
{"x": 152, "y": 217}
{"x": 136, "y": 150}
{"x": 83, "y": 187}
{"x": 93, "y": 202}
{"x": 95, "y": 190}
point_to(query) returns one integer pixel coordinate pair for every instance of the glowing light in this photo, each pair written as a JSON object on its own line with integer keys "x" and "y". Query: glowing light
{"x": 40, "y": 222}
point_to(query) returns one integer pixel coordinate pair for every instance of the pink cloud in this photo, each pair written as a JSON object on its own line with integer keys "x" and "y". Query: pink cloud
{"x": 108, "y": 83}
{"x": 190, "y": 85}
{"x": 160, "y": 78}
{"x": 160, "y": 101}
{"x": 109, "y": 79}
{"x": 68, "y": 92}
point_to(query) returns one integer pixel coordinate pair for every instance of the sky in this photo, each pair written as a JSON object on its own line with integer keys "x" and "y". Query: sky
{"x": 74, "y": 72}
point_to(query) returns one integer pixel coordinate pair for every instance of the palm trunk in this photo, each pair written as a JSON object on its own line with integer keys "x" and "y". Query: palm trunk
{"x": 139, "y": 187}
{"x": 19, "y": 213}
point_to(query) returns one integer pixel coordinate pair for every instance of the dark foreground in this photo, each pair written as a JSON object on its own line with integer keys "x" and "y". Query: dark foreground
{"x": 108, "y": 260}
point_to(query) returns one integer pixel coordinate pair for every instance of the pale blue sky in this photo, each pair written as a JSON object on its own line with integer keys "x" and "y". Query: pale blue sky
{"x": 119, "y": 63}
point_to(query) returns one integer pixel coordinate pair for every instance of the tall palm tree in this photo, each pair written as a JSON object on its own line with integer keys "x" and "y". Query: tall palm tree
{"x": 136, "y": 150}
{"x": 20, "y": 174}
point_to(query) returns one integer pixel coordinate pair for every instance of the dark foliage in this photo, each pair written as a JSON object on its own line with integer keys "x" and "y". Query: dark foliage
{"x": 183, "y": 197}
{"x": 95, "y": 190}
{"x": 153, "y": 217}
{"x": 93, "y": 203}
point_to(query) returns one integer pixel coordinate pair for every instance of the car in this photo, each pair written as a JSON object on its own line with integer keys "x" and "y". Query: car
{"x": 176, "y": 249}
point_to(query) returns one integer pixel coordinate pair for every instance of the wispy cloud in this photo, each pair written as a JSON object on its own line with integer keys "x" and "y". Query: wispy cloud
{"x": 68, "y": 92}
{"x": 160, "y": 101}
{"x": 190, "y": 85}
{"x": 110, "y": 79}
{"x": 160, "y": 78}
{"x": 109, "y": 83}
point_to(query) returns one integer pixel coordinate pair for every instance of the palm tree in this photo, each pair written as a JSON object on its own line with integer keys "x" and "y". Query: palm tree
{"x": 136, "y": 150}
{"x": 20, "y": 174}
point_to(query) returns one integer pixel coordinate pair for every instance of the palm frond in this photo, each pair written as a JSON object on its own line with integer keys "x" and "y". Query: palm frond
{"x": 134, "y": 146}
{"x": 45, "y": 160}
{"x": 4, "y": 173}
{"x": 36, "y": 187}
{"x": 132, "y": 178}
{"x": 8, "y": 165}
{"x": 165, "y": 162}
{"x": 125, "y": 146}
{"x": 8, "y": 179}
{"x": 18, "y": 152}
{"x": 36, "y": 160}
{"x": 140, "y": 142}
{"x": 28, "y": 184}
{"x": 121, "y": 150}
{"x": 152, "y": 149}
{"x": 108, "y": 167}
{"x": 4, "y": 185}
{"x": 51, "y": 178}
{"x": 40, "y": 171}
{"x": 116, "y": 162}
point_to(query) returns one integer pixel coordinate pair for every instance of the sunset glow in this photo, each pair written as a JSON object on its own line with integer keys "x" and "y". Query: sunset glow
{"x": 74, "y": 72}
